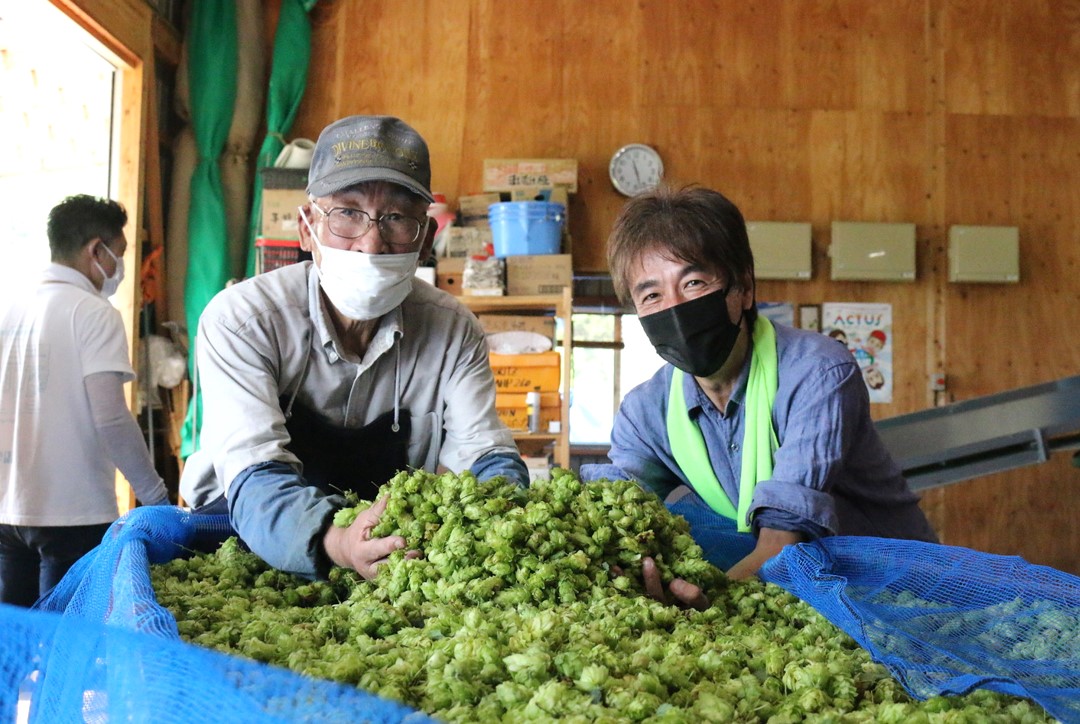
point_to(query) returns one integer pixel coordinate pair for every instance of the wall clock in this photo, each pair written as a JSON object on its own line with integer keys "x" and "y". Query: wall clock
{"x": 635, "y": 168}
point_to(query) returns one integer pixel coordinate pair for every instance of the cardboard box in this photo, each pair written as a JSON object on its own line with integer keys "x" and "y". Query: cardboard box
{"x": 448, "y": 275}
{"x": 504, "y": 174}
{"x": 526, "y": 372}
{"x": 539, "y": 467}
{"x": 493, "y": 323}
{"x": 538, "y": 274}
{"x": 279, "y": 215}
{"x": 514, "y": 412}
{"x": 283, "y": 191}
{"x": 463, "y": 241}
{"x": 473, "y": 209}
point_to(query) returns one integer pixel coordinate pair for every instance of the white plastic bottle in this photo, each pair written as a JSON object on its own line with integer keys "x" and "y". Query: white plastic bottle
{"x": 532, "y": 406}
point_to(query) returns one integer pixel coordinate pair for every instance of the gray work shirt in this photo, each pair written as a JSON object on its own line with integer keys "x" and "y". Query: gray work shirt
{"x": 269, "y": 337}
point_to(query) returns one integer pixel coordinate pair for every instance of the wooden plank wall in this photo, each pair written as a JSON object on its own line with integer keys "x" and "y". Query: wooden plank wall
{"x": 935, "y": 112}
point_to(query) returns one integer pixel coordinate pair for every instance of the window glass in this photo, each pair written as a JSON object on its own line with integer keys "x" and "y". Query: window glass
{"x": 57, "y": 94}
{"x": 594, "y": 327}
{"x": 596, "y": 387}
{"x": 639, "y": 359}
{"x": 592, "y": 399}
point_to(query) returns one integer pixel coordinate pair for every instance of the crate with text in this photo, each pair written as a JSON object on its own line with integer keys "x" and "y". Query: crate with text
{"x": 514, "y": 412}
{"x": 526, "y": 372}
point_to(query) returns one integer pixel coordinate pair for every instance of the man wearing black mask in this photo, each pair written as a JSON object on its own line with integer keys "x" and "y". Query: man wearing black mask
{"x": 766, "y": 425}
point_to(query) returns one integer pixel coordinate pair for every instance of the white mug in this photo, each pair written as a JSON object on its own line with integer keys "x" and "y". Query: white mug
{"x": 296, "y": 154}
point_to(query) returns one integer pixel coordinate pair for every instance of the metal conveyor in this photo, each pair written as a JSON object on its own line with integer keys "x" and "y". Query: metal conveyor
{"x": 985, "y": 435}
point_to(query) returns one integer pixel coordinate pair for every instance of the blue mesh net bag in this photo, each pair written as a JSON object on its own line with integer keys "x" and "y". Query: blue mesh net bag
{"x": 946, "y": 620}
{"x": 99, "y": 648}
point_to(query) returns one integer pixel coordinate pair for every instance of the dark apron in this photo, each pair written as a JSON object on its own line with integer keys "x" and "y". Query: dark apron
{"x": 340, "y": 459}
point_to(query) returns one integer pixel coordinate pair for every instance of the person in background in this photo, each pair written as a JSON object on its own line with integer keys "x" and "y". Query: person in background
{"x": 64, "y": 423}
{"x": 332, "y": 375}
{"x": 766, "y": 425}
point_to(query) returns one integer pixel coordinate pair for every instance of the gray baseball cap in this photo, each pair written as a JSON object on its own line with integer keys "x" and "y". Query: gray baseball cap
{"x": 369, "y": 148}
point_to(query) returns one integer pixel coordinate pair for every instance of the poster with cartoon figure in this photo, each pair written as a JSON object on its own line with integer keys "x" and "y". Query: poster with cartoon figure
{"x": 866, "y": 330}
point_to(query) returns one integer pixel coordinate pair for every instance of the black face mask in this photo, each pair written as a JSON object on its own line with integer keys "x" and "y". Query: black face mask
{"x": 696, "y": 336}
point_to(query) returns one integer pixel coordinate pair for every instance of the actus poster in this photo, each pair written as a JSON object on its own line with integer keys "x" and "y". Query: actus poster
{"x": 866, "y": 330}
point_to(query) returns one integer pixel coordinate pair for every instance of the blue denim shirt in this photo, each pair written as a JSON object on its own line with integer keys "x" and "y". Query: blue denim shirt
{"x": 831, "y": 474}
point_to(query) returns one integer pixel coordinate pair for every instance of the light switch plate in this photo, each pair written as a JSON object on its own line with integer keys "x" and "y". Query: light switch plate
{"x": 872, "y": 251}
{"x": 782, "y": 249}
{"x": 984, "y": 254}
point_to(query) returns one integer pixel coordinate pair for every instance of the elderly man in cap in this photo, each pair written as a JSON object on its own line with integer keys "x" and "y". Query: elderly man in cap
{"x": 334, "y": 374}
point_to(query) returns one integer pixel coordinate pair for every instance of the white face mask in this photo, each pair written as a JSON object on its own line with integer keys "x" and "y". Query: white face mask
{"x": 364, "y": 286}
{"x": 110, "y": 284}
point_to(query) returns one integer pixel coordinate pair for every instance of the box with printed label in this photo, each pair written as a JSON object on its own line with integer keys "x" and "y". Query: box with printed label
{"x": 514, "y": 412}
{"x": 280, "y": 218}
{"x": 493, "y": 323}
{"x": 283, "y": 191}
{"x": 538, "y": 273}
{"x": 526, "y": 372}
{"x": 504, "y": 174}
{"x": 463, "y": 241}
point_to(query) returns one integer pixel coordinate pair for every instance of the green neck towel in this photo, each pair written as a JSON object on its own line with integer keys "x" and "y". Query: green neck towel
{"x": 759, "y": 438}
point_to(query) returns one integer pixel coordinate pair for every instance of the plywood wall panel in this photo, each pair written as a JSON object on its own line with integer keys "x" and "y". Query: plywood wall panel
{"x": 1012, "y": 58}
{"x": 1017, "y": 172}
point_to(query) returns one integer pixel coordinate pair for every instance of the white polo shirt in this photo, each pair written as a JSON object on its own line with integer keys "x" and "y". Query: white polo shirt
{"x": 54, "y": 470}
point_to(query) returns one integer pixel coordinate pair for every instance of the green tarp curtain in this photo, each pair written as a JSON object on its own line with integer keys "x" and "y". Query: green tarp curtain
{"x": 288, "y": 79}
{"x": 212, "y": 48}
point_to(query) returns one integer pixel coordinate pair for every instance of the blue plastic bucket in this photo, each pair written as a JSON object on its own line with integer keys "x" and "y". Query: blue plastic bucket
{"x": 526, "y": 227}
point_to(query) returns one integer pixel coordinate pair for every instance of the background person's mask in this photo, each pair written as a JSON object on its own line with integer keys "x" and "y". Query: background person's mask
{"x": 110, "y": 284}
{"x": 696, "y": 336}
{"x": 364, "y": 286}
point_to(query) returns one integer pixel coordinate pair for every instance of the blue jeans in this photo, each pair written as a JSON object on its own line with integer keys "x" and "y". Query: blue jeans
{"x": 34, "y": 559}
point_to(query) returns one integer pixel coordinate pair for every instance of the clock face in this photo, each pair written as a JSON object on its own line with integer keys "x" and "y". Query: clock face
{"x": 635, "y": 168}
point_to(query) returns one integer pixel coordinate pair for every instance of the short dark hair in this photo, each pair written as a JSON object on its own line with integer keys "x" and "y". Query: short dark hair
{"x": 79, "y": 219}
{"x": 694, "y": 224}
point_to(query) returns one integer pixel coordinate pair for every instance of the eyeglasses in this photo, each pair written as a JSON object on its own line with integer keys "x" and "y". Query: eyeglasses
{"x": 397, "y": 229}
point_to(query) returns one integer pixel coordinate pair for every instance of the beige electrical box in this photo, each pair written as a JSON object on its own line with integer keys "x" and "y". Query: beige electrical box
{"x": 869, "y": 251}
{"x": 984, "y": 254}
{"x": 782, "y": 249}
